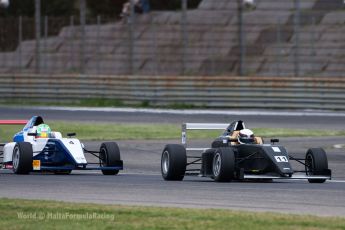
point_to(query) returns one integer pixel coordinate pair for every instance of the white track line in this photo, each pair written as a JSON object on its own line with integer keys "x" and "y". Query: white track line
{"x": 197, "y": 111}
{"x": 339, "y": 146}
{"x": 337, "y": 181}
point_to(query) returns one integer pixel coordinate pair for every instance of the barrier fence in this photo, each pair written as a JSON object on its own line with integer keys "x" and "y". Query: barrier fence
{"x": 203, "y": 91}
{"x": 278, "y": 38}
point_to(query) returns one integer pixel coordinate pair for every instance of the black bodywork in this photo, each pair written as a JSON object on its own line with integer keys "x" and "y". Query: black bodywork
{"x": 252, "y": 161}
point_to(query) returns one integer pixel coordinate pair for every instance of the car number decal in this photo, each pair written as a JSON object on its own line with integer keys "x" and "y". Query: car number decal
{"x": 281, "y": 159}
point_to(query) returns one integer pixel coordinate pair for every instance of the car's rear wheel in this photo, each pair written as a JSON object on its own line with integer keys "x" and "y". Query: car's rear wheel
{"x": 315, "y": 162}
{"x": 109, "y": 156}
{"x": 206, "y": 162}
{"x": 22, "y": 158}
{"x": 174, "y": 162}
{"x": 223, "y": 166}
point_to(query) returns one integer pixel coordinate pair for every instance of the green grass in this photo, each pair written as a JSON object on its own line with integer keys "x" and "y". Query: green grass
{"x": 125, "y": 131}
{"x": 61, "y": 215}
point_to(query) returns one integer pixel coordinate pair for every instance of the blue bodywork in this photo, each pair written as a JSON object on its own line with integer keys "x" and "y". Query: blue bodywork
{"x": 19, "y": 137}
{"x": 55, "y": 156}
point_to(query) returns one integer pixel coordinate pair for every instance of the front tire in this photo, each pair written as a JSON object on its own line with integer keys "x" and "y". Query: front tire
{"x": 109, "y": 156}
{"x": 315, "y": 161}
{"x": 22, "y": 158}
{"x": 223, "y": 166}
{"x": 174, "y": 162}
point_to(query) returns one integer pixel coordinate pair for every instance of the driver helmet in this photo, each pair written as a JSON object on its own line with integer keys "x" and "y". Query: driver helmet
{"x": 246, "y": 136}
{"x": 43, "y": 131}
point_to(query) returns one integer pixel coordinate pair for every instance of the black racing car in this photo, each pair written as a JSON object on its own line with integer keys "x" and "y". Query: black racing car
{"x": 228, "y": 160}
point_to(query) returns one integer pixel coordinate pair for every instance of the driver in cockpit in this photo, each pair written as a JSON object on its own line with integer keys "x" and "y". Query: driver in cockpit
{"x": 246, "y": 136}
{"x": 43, "y": 131}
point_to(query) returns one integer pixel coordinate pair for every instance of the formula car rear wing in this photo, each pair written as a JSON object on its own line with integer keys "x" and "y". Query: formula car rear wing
{"x": 199, "y": 126}
{"x": 13, "y": 122}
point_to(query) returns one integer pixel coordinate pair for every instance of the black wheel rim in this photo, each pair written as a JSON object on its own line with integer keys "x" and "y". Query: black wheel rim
{"x": 103, "y": 157}
{"x": 217, "y": 164}
{"x": 309, "y": 164}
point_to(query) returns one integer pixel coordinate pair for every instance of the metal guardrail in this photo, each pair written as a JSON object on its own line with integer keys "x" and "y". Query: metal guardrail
{"x": 204, "y": 91}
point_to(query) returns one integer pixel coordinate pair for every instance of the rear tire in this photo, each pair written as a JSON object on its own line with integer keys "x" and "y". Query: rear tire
{"x": 316, "y": 161}
{"x": 223, "y": 166}
{"x": 22, "y": 158}
{"x": 207, "y": 162}
{"x": 109, "y": 155}
{"x": 174, "y": 162}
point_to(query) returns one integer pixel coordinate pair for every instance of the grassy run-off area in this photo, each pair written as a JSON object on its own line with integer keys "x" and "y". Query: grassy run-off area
{"x": 26, "y": 214}
{"x": 124, "y": 131}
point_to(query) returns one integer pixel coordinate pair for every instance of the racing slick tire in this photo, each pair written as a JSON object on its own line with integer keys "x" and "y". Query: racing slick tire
{"x": 207, "y": 162}
{"x": 174, "y": 162}
{"x": 315, "y": 161}
{"x": 223, "y": 165}
{"x": 22, "y": 158}
{"x": 109, "y": 156}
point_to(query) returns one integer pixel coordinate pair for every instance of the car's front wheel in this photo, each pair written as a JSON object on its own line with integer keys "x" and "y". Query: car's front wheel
{"x": 315, "y": 162}
{"x": 22, "y": 158}
{"x": 109, "y": 156}
{"x": 223, "y": 166}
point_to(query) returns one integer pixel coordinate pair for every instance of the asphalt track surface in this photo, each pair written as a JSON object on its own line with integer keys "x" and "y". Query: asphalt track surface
{"x": 141, "y": 183}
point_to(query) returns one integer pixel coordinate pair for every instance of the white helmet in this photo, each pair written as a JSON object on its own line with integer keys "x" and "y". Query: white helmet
{"x": 246, "y": 136}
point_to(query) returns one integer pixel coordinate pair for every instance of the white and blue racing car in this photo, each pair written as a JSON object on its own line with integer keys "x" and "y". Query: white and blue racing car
{"x": 37, "y": 148}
